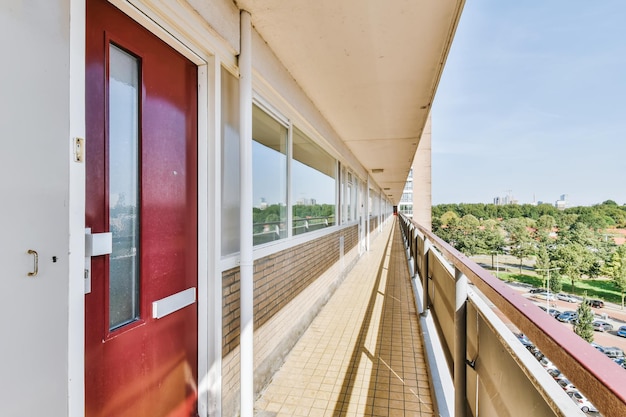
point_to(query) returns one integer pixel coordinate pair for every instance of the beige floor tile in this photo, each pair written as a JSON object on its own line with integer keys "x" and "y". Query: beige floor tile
{"x": 358, "y": 359}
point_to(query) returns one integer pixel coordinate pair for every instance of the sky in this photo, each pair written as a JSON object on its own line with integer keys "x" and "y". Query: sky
{"x": 532, "y": 104}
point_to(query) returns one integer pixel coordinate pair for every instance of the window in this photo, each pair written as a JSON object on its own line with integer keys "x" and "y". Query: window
{"x": 124, "y": 88}
{"x": 269, "y": 170}
{"x": 230, "y": 164}
{"x": 313, "y": 174}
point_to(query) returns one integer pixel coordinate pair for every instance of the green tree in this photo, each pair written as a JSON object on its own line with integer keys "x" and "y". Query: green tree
{"x": 615, "y": 268}
{"x": 492, "y": 238}
{"x": 584, "y": 327}
{"x": 519, "y": 239}
{"x": 555, "y": 281}
{"x": 467, "y": 239}
{"x": 449, "y": 217}
{"x": 571, "y": 259}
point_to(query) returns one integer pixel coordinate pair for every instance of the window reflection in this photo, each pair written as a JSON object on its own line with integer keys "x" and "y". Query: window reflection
{"x": 313, "y": 174}
{"x": 123, "y": 187}
{"x": 269, "y": 169}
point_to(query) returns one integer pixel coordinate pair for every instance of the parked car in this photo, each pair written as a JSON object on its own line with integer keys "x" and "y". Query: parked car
{"x": 553, "y": 311}
{"x": 544, "y": 296}
{"x": 613, "y": 352}
{"x": 582, "y": 401}
{"x": 547, "y": 364}
{"x": 566, "y": 297}
{"x": 568, "y": 317}
{"x": 537, "y": 290}
{"x": 602, "y": 326}
{"x": 621, "y": 331}
{"x": 595, "y": 303}
{"x": 597, "y": 346}
{"x": 566, "y": 384}
{"x": 554, "y": 372}
{"x": 524, "y": 340}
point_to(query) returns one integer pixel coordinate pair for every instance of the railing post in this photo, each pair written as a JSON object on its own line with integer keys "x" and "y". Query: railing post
{"x": 425, "y": 304}
{"x": 460, "y": 344}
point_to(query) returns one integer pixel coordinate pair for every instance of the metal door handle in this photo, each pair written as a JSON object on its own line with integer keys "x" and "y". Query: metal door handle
{"x": 35, "y": 263}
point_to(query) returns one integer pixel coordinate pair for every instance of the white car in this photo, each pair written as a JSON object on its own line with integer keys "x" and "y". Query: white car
{"x": 566, "y": 297}
{"x": 544, "y": 296}
{"x": 547, "y": 364}
{"x": 566, "y": 384}
{"x": 582, "y": 401}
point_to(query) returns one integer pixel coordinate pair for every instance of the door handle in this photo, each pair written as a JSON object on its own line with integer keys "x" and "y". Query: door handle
{"x": 96, "y": 244}
{"x": 35, "y": 263}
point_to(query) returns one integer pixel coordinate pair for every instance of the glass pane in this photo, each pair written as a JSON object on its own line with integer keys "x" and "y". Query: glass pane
{"x": 123, "y": 187}
{"x": 230, "y": 163}
{"x": 313, "y": 173}
{"x": 269, "y": 168}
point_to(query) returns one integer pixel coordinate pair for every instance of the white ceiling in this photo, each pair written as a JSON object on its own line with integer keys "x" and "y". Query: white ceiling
{"x": 370, "y": 66}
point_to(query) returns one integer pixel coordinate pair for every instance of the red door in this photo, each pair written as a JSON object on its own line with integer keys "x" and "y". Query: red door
{"x": 141, "y": 313}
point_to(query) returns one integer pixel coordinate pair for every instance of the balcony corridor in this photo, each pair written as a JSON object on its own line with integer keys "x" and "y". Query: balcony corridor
{"x": 363, "y": 354}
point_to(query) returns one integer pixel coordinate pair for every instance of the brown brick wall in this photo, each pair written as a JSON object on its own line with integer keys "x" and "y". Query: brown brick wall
{"x": 278, "y": 279}
{"x": 373, "y": 223}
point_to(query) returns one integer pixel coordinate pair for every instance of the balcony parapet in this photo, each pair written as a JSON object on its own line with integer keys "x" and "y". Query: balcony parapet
{"x": 493, "y": 373}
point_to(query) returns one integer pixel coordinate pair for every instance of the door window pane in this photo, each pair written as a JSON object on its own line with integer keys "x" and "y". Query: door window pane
{"x": 269, "y": 167}
{"x": 123, "y": 152}
{"x": 313, "y": 173}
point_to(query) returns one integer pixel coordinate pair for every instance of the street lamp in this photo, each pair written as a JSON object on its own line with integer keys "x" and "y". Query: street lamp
{"x": 497, "y": 262}
{"x": 548, "y": 285}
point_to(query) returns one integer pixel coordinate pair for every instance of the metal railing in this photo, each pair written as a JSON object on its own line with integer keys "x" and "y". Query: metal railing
{"x": 492, "y": 373}
{"x": 273, "y": 230}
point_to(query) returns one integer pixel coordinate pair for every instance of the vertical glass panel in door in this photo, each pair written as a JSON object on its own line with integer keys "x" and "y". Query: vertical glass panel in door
{"x": 123, "y": 175}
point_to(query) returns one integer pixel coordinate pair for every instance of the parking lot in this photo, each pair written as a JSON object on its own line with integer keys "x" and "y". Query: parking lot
{"x": 610, "y": 312}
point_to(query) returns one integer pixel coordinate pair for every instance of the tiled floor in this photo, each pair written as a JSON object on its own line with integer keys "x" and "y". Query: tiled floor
{"x": 362, "y": 355}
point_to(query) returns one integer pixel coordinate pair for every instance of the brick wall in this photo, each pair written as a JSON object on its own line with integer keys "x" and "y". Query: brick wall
{"x": 289, "y": 288}
{"x": 373, "y": 223}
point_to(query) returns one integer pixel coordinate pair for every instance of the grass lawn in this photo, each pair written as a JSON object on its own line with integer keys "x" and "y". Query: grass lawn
{"x": 596, "y": 288}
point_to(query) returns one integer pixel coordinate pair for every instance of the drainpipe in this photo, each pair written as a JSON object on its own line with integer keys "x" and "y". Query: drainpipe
{"x": 245, "y": 217}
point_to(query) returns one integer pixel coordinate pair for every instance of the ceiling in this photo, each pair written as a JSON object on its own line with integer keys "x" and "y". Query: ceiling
{"x": 370, "y": 66}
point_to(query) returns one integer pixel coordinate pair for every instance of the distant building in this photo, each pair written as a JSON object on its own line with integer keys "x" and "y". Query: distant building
{"x": 561, "y": 204}
{"x": 406, "y": 201}
{"x": 507, "y": 199}
{"x": 306, "y": 202}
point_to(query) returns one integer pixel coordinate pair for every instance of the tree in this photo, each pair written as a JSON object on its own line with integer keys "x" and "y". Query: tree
{"x": 615, "y": 268}
{"x": 492, "y": 237}
{"x": 449, "y": 217}
{"x": 584, "y": 327}
{"x": 520, "y": 240}
{"x": 467, "y": 239}
{"x": 570, "y": 258}
{"x": 545, "y": 267}
{"x": 546, "y": 222}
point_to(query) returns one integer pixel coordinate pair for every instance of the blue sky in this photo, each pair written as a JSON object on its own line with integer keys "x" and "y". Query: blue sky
{"x": 533, "y": 100}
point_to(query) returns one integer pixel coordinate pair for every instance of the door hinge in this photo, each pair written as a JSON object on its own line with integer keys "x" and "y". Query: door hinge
{"x": 79, "y": 150}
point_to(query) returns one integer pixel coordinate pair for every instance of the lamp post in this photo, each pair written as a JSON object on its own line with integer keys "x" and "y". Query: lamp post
{"x": 548, "y": 285}
{"x": 497, "y": 262}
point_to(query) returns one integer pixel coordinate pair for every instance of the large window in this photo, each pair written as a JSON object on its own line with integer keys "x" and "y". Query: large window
{"x": 313, "y": 174}
{"x": 269, "y": 170}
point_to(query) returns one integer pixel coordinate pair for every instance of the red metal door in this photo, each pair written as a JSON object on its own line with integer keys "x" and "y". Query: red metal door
{"x": 141, "y": 146}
